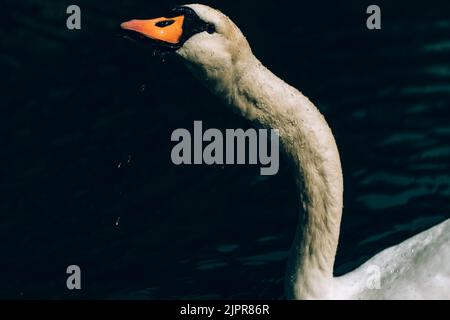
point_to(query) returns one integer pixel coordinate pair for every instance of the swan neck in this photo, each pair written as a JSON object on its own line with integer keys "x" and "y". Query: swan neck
{"x": 308, "y": 142}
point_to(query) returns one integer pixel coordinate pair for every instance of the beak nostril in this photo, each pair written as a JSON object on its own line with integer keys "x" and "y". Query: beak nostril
{"x": 164, "y": 23}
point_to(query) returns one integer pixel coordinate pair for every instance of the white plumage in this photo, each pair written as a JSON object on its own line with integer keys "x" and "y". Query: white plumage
{"x": 418, "y": 268}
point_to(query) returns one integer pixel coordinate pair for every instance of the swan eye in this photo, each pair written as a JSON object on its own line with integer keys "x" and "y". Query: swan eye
{"x": 210, "y": 28}
{"x": 165, "y": 23}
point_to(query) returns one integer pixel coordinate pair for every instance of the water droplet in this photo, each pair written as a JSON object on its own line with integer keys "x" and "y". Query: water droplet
{"x": 126, "y": 37}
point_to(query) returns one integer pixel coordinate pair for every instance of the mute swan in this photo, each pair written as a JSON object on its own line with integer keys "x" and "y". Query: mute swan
{"x": 216, "y": 51}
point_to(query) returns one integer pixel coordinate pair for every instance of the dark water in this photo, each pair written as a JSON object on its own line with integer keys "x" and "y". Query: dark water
{"x": 86, "y": 176}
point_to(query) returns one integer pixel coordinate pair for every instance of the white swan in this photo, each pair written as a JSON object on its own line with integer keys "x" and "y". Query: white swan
{"x": 215, "y": 50}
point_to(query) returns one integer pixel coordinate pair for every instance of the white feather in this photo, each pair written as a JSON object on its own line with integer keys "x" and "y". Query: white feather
{"x": 418, "y": 268}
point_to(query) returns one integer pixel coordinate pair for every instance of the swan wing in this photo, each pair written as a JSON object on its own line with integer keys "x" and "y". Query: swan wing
{"x": 418, "y": 268}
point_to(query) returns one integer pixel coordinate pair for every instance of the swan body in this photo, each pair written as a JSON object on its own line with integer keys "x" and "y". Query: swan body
{"x": 418, "y": 268}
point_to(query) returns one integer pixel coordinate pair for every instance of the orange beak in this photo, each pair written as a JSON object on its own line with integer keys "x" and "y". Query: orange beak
{"x": 163, "y": 29}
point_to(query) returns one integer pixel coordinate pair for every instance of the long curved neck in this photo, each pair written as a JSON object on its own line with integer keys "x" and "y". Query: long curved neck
{"x": 309, "y": 144}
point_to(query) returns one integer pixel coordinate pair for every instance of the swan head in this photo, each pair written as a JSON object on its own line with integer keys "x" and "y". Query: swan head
{"x": 209, "y": 43}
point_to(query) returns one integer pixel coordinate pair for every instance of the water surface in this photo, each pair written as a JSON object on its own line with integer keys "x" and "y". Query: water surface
{"x": 86, "y": 177}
